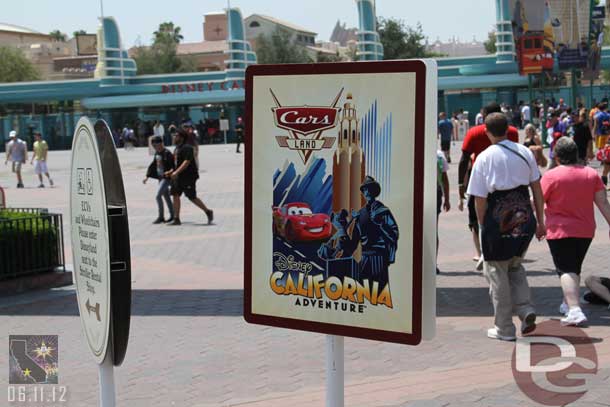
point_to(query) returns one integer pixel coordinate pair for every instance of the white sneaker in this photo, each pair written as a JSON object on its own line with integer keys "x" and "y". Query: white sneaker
{"x": 493, "y": 334}
{"x": 574, "y": 317}
{"x": 564, "y": 309}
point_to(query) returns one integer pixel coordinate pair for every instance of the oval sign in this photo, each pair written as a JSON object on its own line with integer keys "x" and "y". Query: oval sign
{"x": 90, "y": 238}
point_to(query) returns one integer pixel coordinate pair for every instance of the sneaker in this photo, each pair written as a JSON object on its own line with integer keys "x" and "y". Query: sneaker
{"x": 493, "y": 334}
{"x": 50, "y": 182}
{"x": 19, "y": 185}
{"x": 41, "y": 186}
{"x": 170, "y": 220}
{"x": 479, "y": 265}
{"x": 529, "y": 324}
{"x": 438, "y": 271}
{"x": 175, "y": 222}
{"x": 158, "y": 220}
{"x": 210, "y": 214}
{"x": 574, "y": 317}
{"x": 564, "y": 309}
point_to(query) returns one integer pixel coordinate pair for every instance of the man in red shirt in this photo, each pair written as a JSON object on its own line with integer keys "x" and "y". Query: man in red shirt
{"x": 475, "y": 142}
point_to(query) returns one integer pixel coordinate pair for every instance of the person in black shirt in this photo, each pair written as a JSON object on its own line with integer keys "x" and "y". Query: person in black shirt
{"x": 163, "y": 162}
{"x": 184, "y": 178}
{"x": 582, "y": 137}
{"x": 239, "y": 132}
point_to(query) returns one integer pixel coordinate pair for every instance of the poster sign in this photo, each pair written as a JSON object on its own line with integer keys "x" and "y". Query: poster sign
{"x": 571, "y": 21}
{"x": 533, "y": 35}
{"x": 339, "y": 232}
{"x": 100, "y": 241}
{"x": 224, "y": 124}
{"x": 596, "y": 41}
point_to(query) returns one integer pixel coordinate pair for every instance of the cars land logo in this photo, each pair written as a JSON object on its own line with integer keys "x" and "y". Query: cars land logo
{"x": 305, "y": 125}
{"x": 552, "y": 366}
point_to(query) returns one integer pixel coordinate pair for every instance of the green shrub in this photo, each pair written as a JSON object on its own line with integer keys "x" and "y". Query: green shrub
{"x": 28, "y": 243}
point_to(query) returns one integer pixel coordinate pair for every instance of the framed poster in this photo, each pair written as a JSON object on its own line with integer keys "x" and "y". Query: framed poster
{"x": 340, "y": 198}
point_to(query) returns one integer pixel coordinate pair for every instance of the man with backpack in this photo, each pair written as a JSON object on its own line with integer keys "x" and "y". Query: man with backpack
{"x": 499, "y": 182}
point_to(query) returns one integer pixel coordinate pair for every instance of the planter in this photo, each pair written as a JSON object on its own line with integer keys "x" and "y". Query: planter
{"x": 31, "y": 241}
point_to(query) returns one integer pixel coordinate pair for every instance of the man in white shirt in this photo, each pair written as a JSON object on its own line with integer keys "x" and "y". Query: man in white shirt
{"x": 499, "y": 182}
{"x": 526, "y": 115}
{"x": 17, "y": 153}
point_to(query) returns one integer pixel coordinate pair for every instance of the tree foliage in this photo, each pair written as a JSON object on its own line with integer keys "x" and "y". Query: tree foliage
{"x": 15, "y": 67}
{"x": 162, "y": 56}
{"x": 280, "y": 48}
{"x": 79, "y": 32}
{"x": 57, "y": 35}
{"x": 323, "y": 57}
{"x": 490, "y": 43}
{"x": 401, "y": 41}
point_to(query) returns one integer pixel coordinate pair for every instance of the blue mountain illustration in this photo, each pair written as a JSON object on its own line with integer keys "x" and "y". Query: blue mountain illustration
{"x": 314, "y": 186}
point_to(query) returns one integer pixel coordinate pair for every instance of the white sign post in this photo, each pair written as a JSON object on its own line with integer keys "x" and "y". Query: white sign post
{"x": 101, "y": 261}
{"x": 334, "y": 371}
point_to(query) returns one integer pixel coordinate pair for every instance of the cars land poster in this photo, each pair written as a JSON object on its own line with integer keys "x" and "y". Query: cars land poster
{"x": 336, "y": 216}
{"x": 533, "y": 35}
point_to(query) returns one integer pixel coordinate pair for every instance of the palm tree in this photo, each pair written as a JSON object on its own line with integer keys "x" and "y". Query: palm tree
{"x": 169, "y": 31}
{"x": 57, "y": 35}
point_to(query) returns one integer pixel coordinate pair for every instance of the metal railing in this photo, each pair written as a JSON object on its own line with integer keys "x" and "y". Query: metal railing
{"x": 31, "y": 242}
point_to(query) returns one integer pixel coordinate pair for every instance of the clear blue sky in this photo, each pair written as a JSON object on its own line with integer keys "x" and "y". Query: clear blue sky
{"x": 139, "y": 18}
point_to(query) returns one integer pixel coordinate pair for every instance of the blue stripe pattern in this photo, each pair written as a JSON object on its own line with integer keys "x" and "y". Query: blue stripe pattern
{"x": 377, "y": 146}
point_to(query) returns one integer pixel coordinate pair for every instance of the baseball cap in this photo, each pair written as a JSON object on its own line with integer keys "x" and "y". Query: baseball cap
{"x": 12, "y": 134}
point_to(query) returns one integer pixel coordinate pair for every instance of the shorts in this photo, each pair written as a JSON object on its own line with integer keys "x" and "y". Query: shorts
{"x": 445, "y": 145}
{"x": 188, "y": 188}
{"x": 593, "y": 298}
{"x": 17, "y": 166}
{"x": 40, "y": 167}
{"x": 600, "y": 141}
{"x": 569, "y": 253}
{"x": 473, "y": 222}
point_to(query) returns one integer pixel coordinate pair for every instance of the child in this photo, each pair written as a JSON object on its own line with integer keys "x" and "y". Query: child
{"x": 163, "y": 161}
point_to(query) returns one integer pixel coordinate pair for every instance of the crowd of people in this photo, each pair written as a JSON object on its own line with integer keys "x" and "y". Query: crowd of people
{"x": 513, "y": 192}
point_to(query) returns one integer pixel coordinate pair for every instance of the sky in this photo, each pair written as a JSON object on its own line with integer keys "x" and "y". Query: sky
{"x": 138, "y": 19}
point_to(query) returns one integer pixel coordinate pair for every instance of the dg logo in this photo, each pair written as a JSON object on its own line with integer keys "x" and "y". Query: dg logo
{"x": 555, "y": 366}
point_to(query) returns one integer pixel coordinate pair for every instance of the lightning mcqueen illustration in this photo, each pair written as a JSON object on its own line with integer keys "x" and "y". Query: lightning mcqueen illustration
{"x": 296, "y": 222}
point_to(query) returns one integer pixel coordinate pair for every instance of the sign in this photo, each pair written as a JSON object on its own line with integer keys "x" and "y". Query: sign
{"x": 533, "y": 35}
{"x": 224, "y": 125}
{"x": 86, "y": 44}
{"x": 339, "y": 232}
{"x": 100, "y": 241}
{"x": 201, "y": 87}
{"x": 596, "y": 41}
{"x": 571, "y": 22}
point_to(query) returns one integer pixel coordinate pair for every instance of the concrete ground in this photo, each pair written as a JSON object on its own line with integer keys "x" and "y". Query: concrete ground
{"x": 189, "y": 345}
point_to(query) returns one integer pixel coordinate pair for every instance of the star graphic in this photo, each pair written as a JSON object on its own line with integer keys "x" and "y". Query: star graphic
{"x": 27, "y": 372}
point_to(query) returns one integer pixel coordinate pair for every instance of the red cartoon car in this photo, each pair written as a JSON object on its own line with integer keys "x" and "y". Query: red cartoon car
{"x": 296, "y": 222}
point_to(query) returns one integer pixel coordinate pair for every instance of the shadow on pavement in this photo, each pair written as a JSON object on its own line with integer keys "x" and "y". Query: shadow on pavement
{"x": 451, "y": 302}
{"x": 475, "y": 301}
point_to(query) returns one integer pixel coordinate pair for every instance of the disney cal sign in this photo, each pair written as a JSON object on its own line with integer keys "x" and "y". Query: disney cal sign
{"x": 201, "y": 87}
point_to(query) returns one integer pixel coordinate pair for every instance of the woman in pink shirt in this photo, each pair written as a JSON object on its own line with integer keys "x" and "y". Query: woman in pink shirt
{"x": 569, "y": 193}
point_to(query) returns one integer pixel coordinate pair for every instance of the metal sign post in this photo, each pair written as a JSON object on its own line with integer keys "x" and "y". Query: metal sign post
{"x": 101, "y": 250}
{"x": 107, "y": 388}
{"x": 335, "y": 383}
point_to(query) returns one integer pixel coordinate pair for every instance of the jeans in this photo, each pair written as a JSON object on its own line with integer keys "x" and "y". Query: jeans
{"x": 163, "y": 192}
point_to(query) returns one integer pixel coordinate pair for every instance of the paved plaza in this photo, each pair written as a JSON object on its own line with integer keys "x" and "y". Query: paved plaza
{"x": 189, "y": 345}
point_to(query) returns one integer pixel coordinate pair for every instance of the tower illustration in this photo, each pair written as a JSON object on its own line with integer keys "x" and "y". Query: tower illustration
{"x": 348, "y": 161}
